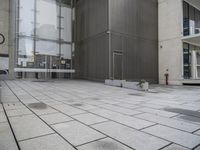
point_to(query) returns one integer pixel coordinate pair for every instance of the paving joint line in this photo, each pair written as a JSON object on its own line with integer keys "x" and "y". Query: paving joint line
{"x": 109, "y": 120}
{"x": 42, "y": 120}
{"x": 85, "y": 125}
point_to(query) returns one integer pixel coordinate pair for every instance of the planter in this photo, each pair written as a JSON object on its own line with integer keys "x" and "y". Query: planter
{"x": 117, "y": 83}
{"x": 108, "y": 82}
{"x": 127, "y": 84}
{"x": 135, "y": 86}
{"x": 145, "y": 86}
{"x": 131, "y": 85}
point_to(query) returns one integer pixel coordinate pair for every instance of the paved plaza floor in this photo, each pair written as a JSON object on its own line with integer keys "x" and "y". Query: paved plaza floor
{"x": 83, "y": 115}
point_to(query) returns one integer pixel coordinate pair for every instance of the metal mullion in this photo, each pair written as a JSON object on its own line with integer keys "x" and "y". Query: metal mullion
{"x": 34, "y": 34}
{"x": 59, "y": 36}
{"x": 17, "y": 31}
{"x": 71, "y": 36}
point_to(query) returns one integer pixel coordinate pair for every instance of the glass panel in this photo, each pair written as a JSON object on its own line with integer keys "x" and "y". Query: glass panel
{"x": 66, "y": 52}
{"x": 26, "y": 16}
{"x": 66, "y": 24}
{"x": 47, "y": 48}
{"x": 25, "y": 47}
{"x": 47, "y": 19}
{"x": 198, "y": 58}
{"x": 197, "y": 21}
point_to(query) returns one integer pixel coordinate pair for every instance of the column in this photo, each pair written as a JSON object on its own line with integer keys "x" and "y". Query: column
{"x": 194, "y": 64}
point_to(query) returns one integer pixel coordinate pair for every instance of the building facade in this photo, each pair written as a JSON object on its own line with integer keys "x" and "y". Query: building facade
{"x": 179, "y": 41}
{"x": 117, "y": 39}
{"x": 102, "y": 39}
{"x": 38, "y": 38}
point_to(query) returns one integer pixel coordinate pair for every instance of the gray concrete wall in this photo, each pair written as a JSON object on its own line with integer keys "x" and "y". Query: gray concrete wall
{"x": 170, "y": 43}
{"x": 7, "y": 27}
{"x": 4, "y": 29}
{"x": 134, "y": 29}
{"x": 91, "y": 53}
{"x": 12, "y": 37}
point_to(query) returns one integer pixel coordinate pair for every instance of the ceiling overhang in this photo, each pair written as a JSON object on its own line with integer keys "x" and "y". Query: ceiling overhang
{"x": 193, "y": 39}
{"x": 194, "y": 3}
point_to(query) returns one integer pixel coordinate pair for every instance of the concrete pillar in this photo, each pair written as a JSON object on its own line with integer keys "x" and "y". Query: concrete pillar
{"x": 4, "y": 29}
{"x": 194, "y": 64}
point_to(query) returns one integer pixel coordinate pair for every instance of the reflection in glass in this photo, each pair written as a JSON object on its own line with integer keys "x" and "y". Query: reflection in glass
{"x": 26, "y": 17}
{"x": 45, "y": 35}
{"x": 66, "y": 51}
{"x": 47, "y": 19}
{"x": 66, "y": 27}
{"x": 47, "y": 48}
{"x": 25, "y": 47}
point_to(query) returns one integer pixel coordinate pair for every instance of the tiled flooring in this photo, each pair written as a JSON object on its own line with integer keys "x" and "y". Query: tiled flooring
{"x": 83, "y": 115}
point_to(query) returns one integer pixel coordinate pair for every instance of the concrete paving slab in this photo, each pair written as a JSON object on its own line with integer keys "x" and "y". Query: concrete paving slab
{"x": 7, "y": 141}
{"x": 123, "y": 119}
{"x": 18, "y": 112}
{"x": 28, "y": 101}
{"x": 1, "y": 107}
{"x": 84, "y": 106}
{"x": 198, "y": 132}
{"x": 89, "y": 118}
{"x": 155, "y": 106}
{"x": 104, "y": 144}
{"x": 10, "y": 106}
{"x": 68, "y": 110}
{"x": 49, "y": 142}
{"x": 175, "y": 147}
{"x": 41, "y": 108}
{"x": 178, "y": 124}
{"x": 2, "y": 117}
{"x": 133, "y": 138}
{"x": 120, "y": 109}
{"x": 186, "y": 118}
{"x": 29, "y": 126}
{"x": 55, "y": 118}
{"x": 176, "y": 136}
{"x": 128, "y": 105}
{"x": 77, "y": 133}
{"x": 72, "y": 95}
{"x": 157, "y": 112}
{"x": 183, "y": 111}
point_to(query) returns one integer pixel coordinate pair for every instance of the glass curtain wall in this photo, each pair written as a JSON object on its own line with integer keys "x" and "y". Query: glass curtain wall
{"x": 191, "y": 61}
{"x": 191, "y": 20}
{"x": 44, "y": 34}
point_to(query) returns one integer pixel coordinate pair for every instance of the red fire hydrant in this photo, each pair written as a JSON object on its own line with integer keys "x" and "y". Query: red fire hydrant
{"x": 167, "y": 77}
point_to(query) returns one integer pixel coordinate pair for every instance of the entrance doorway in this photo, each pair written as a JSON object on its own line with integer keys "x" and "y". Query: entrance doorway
{"x": 117, "y": 65}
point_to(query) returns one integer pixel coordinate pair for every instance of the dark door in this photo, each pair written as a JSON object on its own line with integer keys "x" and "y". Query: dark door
{"x": 117, "y": 66}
